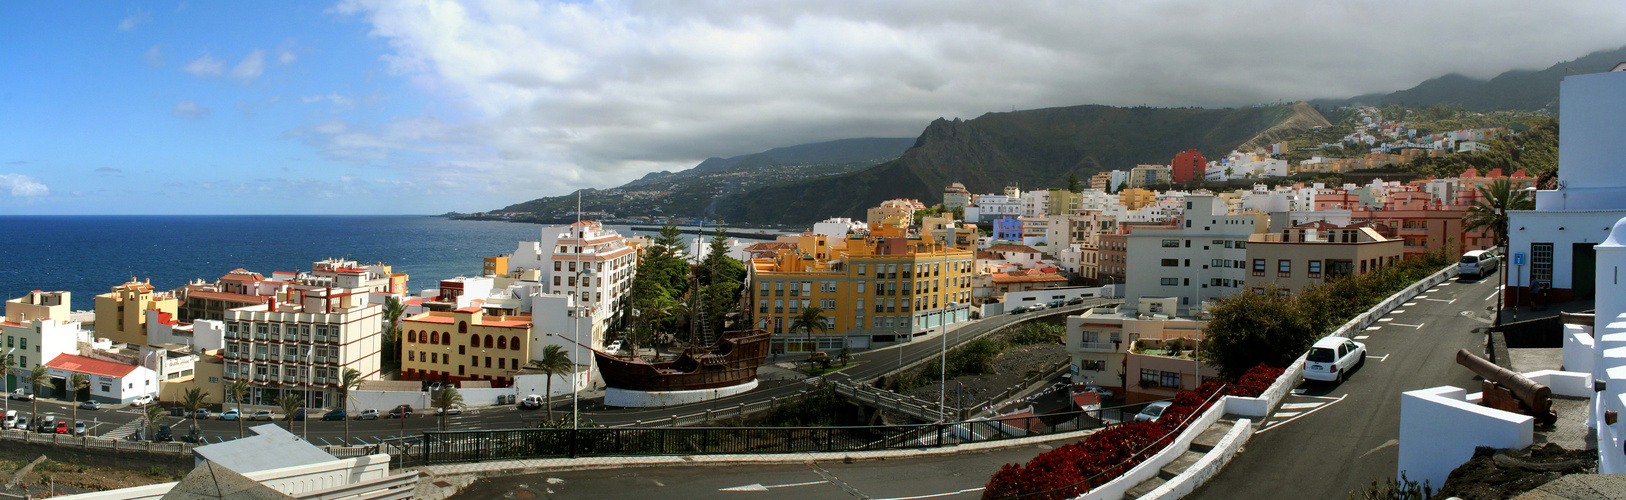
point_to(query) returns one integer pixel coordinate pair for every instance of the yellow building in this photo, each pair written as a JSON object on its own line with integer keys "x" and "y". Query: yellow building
{"x": 495, "y": 266}
{"x": 38, "y": 305}
{"x": 899, "y": 208}
{"x": 121, "y": 316}
{"x": 464, "y": 345}
{"x": 871, "y": 289}
{"x": 1135, "y": 198}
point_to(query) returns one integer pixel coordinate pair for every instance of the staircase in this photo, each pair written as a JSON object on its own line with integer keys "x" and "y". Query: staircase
{"x": 1200, "y": 446}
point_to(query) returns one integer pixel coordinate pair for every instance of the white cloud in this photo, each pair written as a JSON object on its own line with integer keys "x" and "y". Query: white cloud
{"x": 339, "y": 102}
{"x": 154, "y": 56}
{"x": 251, "y": 66}
{"x": 557, "y": 95}
{"x": 204, "y": 66}
{"x": 189, "y": 110}
{"x": 134, "y": 19}
{"x": 23, "y": 186}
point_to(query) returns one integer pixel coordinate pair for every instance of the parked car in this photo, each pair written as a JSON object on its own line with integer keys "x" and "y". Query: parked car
{"x": 21, "y": 396}
{"x": 46, "y": 425}
{"x": 90, "y": 405}
{"x": 202, "y": 413}
{"x": 434, "y": 387}
{"x": 1332, "y": 358}
{"x": 192, "y": 437}
{"x": 299, "y": 416}
{"x": 615, "y": 347}
{"x": 11, "y": 419}
{"x": 334, "y": 414}
{"x": 1153, "y": 411}
{"x": 1057, "y": 303}
{"x": 1477, "y": 263}
{"x": 1036, "y": 307}
{"x": 368, "y": 414}
{"x": 531, "y": 402}
{"x": 1075, "y": 301}
{"x": 231, "y": 414}
{"x": 62, "y": 427}
{"x": 455, "y": 410}
{"x": 263, "y": 415}
{"x": 818, "y": 356}
{"x": 142, "y": 400}
{"x": 79, "y": 428}
{"x": 21, "y": 424}
{"x": 1018, "y": 310}
{"x": 163, "y": 435}
{"x": 400, "y": 412}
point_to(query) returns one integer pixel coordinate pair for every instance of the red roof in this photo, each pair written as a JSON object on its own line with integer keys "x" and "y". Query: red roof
{"x": 80, "y": 364}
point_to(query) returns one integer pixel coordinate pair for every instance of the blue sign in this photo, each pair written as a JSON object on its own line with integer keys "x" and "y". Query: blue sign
{"x": 1518, "y": 258}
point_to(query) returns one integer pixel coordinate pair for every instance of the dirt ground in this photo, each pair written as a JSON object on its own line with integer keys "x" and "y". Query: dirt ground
{"x": 65, "y": 479}
{"x": 1009, "y": 369}
{"x": 1500, "y": 474}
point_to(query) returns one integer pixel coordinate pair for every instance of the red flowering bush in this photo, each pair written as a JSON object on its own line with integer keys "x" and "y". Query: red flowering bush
{"x": 1073, "y": 469}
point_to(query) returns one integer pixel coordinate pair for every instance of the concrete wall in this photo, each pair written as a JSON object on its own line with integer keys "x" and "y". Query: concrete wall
{"x": 1115, "y": 489}
{"x": 1207, "y": 466}
{"x": 476, "y": 398}
{"x": 294, "y": 481}
{"x": 1439, "y": 430}
{"x": 1044, "y": 296}
{"x": 383, "y": 401}
{"x": 1577, "y": 348}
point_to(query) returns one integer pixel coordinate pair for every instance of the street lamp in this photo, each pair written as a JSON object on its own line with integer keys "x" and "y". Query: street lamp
{"x": 942, "y": 386}
{"x": 575, "y": 342}
{"x": 8, "y": 376}
{"x": 308, "y": 380}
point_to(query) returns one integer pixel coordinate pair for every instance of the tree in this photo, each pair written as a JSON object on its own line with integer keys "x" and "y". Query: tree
{"x": 350, "y": 379}
{"x": 959, "y": 213}
{"x": 237, "y": 390}
{"x": 393, "y": 309}
{"x": 153, "y": 413}
{"x": 34, "y": 378}
{"x": 447, "y": 398}
{"x": 1121, "y": 186}
{"x": 291, "y": 403}
{"x": 1072, "y": 182}
{"x": 8, "y": 366}
{"x": 76, "y": 382}
{"x": 1252, "y": 328}
{"x": 193, "y": 399}
{"x": 1489, "y": 212}
{"x": 811, "y": 319}
{"x": 555, "y": 361}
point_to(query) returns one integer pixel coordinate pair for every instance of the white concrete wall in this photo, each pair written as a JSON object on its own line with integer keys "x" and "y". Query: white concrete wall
{"x": 294, "y": 481}
{"x": 1207, "y": 466}
{"x": 476, "y": 398}
{"x": 1115, "y": 489}
{"x": 1032, "y": 297}
{"x": 1439, "y": 430}
{"x": 1577, "y": 349}
{"x": 1564, "y": 383}
{"x": 525, "y": 385}
{"x": 383, "y": 401}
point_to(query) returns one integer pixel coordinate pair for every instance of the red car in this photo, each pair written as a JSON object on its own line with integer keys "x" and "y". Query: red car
{"x": 62, "y": 428}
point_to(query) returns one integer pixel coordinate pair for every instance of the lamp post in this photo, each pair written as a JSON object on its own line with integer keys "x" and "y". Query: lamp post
{"x": 7, "y": 375}
{"x": 942, "y": 386}
{"x": 576, "y": 342}
{"x": 308, "y": 380}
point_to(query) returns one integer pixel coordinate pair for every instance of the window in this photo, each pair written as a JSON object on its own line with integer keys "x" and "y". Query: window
{"x": 1241, "y": 244}
{"x": 1284, "y": 268}
{"x": 862, "y": 269}
{"x": 1171, "y": 262}
{"x": 1258, "y": 267}
{"x": 1171, "y": 243}
{"x": 1315, "y": 268}
{"x": 779, "y": 288}
{"x": 1541, "y": 263}
{"x": 462, "y": 350}
{"x": 488, "y": 342}
{"x": 502, "y": 342}
{"x": 762, "y": 306}
{"x": 1149, "y": 378}
{"x": 1170, "y": 379}
{"x": 474, "y": 341}
{"x": 1170, "y": 282}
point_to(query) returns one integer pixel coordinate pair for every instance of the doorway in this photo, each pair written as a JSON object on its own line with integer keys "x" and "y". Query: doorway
{"x": 1583, "y": 271}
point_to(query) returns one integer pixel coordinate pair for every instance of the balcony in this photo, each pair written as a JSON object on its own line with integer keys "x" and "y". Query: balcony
{"x": 321, "y": 359}
{"x": 1098, "y": 346}
{"x": 260, "y": 356}
{"x": 289, "y": 378}
{"x": 261, "y": 336}
{"x": 321, "y": 380}
{"x": 290, "y": 357}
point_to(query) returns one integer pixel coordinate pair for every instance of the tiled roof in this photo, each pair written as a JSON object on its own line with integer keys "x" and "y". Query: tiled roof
{"x": 1007, "y": 247}
{"x": 80, "y": 364}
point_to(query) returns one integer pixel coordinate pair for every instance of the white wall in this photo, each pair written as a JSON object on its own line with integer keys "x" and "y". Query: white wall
{"x": 1562, "y": 229}
{"x": 1031, "y": 297}
{"x": 295, "y": 481}
{"x": 383, "y": 401}
{"x": 1439, "y": 430}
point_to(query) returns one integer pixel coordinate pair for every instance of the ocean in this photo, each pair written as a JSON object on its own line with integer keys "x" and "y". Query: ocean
{"x": 88, "y": 255}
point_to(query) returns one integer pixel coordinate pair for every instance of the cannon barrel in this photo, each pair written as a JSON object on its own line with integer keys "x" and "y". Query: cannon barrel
{"x": 1538, "y": 397}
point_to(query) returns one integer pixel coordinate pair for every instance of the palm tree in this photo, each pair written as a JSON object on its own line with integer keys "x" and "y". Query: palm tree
{"x": 444, "y": 401}
{"x": 811, "y": 319}
{"x": 350, "y": 379}
{"x": 290, "y": 403}
{"x": 393, "y": 309}
{"x": 1489, "y": 212}
{"x": 8, "y": 365}
{"x": 193, "y": 399}
{"x": 154, "y": 413}
{"x": 77, "y": 382}
{"x": 34, "y": 378}
{"x": 555, "y": 361}
{"x": 238, "y": 390}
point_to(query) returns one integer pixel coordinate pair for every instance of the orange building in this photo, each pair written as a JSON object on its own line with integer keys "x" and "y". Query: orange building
{"x": 464, "y": 345}
{"x": 1189, "y": 166}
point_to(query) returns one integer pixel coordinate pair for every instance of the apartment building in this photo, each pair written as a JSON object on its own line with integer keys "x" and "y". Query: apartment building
{"x": 1148, "y": 175}
{"x": 1425, "y": 226}
{"x": 301, "y": 342}
{"x": 1136, "y": 198}
{"x": 584, "y": 260}
{"x": 119, "y": 313}
{"x": 463, "y": 345}
{"x": 956, "y": 196}
{"x": 991, "y": 207}
{"x": 899, "y": 210}
{"x": 1102, "y": 343}
{"x": 238, "y": 288}
{"x": 1199, "y": 260}
{"x": 944, "y": 229}
{"x": 1308, "y": 254}
{"x": 1188, "y": 166}
{"x": 872, "y": 289}
{"x": 37, "y": 329}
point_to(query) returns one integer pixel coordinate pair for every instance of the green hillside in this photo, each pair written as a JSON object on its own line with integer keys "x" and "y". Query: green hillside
{"x": 1513, "y": 90}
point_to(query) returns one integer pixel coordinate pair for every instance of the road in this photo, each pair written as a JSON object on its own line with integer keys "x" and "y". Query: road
{"x": 120, "y": 422}
{"x": 1329, "y": 439}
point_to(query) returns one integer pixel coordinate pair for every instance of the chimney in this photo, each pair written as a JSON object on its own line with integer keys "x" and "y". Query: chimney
{"x": 271, "y": 302}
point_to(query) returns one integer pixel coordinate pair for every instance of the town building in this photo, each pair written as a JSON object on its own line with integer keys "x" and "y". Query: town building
{"x": 899, "y": 211}
{"x": 1188, "y": 166}
{"x": 871, "y": 288}
{"x": 1130, "y": 349}
{"x": 110, "y": 382}
{"x": 956, "y": 196}
{"x": 1424, "y": 226}
{"x": 1148, "y": 175}
{"x": 465, "y": 345}
{"x": 1135, "y": 198}
{"x": 119, "y": 315}
{"x": 1199, "y": 260}
{"x": 38, "y": 328}
{"x": 1008, "y": 229}
{"x": 584, "y": 260}
{"x": 302, "y": 342}
{"x": 1306, "y": 255}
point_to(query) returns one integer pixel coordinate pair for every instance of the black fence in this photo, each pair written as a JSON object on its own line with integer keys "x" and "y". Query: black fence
{"x": 442, "y": 447}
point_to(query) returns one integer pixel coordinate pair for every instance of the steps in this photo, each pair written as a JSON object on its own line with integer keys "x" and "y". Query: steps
{"x": 1200, "y": 446}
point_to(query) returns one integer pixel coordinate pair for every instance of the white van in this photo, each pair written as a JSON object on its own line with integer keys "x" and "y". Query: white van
{"x": 1477, "y": 263}
{"x": 11, "y": 419}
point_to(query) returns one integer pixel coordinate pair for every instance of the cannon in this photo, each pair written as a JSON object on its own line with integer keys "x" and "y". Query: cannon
{"x": 1510, "y": 391}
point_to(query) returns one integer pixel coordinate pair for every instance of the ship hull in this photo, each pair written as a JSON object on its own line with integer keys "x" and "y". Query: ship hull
{"x": 732, "y": 361}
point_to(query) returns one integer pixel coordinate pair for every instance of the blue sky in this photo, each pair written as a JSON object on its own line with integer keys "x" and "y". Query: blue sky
{"x": 428, "y": 106}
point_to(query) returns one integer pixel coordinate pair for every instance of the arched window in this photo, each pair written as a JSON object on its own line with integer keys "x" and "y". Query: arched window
{"x": 434, "y": 337}
{"x": 513, "y": 343}
{"x": 488, "y": 341}
{"x": 462, "y": 327}
{"x": 502, "y": 342}
{"x": 412, "y": 336}
{"x": 474, "y": 341}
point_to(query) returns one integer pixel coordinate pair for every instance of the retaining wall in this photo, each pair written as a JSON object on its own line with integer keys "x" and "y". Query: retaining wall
{"x": 1206, "y": 467}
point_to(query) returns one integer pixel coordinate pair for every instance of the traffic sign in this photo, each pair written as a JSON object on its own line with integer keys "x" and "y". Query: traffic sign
{"x": 1518, "y": 258}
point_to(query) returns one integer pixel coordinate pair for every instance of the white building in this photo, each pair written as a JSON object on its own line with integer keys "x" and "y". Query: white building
{"x": 837, "y": 228}
{"x": 110, "y": 382}
{"x": 303, "y": 343}
{"x": 203, "y": 334}
{"x": 1553, "y": 244}
{"x": 1198, "y": 261}
{"x": 991, "y": 207}
{"x": 34, "y": 334}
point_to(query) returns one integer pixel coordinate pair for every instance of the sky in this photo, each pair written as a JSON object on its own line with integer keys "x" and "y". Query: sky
{"x": 430, "y": 106}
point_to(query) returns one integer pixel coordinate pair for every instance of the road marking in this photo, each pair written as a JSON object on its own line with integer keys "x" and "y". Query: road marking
{"x": 1445, "y": 301}
{"x": 761, "y": 487}
{"x": 935, "y": 495}
{"x": 1418, "y": 326}
{"x": 1276, "y": 424}
{"x": 1285, "y": 414}
{"x": 1432, "y": 290}
{"x": 1443, "y": 284}
{"x": 1420, "y": 297}
{"x": 1362, "y": 337}
{"x": 1385, "y": 320}
{"x": 1370, "y": 328}
{"x": 1385, "y": 357}
{"x": 1397, "y": 311}
{"x": 1409, "y": 304}
{"x": 1300, "y": 406}
{"x": 324, "y": 441}
{"x": 1386, "y": 444}
{"x": 1491, "y": 296}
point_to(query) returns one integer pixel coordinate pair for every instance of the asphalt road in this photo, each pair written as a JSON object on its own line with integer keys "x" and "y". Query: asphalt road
{"x": 1329, "y": 439}
{"x": 120, "y": 422}
{"x": 958, "y": 476}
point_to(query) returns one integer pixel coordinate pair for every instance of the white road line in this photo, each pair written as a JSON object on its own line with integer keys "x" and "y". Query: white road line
{"x": 1380, "y": 359}
{"x": 1418, "y": 326}
{"x": 1397, "y": 311}
{"x": 952, "y": 493}
{"x": 1445, "y": 301}
{"x": 1300, "y": 406}
{"x": 1432, "y": 290}
{"x": 1409, "y": 304}
{"x": 1285, "y": 414}
{"x": 1444, "y": 284}
{"x": 1362, "y": 337}
{"x": 1329, "y": 398}
{"x": 761, "y": 487}
{"x": 1420, "y": 297}
{"x": 1274, "y": 425}
{"x": 1370, "y": 328}
{"x": 1491, "y": 296}
{"x": 1385, "y": 320}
